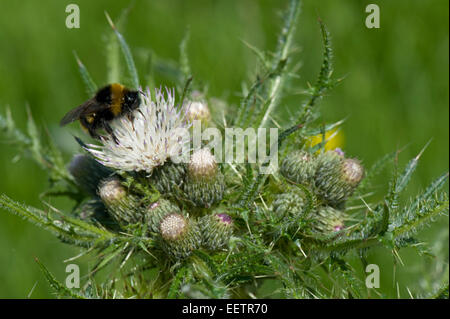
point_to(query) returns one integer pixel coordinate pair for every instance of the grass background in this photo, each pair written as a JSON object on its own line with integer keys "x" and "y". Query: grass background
{"x": 395, "y": 94}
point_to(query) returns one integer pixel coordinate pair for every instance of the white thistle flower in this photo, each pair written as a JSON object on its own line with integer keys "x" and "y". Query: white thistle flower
{"x": 156, "y": 131}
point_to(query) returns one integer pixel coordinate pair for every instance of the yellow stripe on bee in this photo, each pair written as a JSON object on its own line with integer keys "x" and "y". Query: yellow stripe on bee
{"x": 90, "y": 118}
{"x": 117, "y": 93}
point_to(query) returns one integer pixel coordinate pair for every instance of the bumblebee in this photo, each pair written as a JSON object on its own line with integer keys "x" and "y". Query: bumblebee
{"x": 110, "y": 102}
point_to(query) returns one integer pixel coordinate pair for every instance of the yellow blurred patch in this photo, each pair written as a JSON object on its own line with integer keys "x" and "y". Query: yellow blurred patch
{"x": 336, "y": 141}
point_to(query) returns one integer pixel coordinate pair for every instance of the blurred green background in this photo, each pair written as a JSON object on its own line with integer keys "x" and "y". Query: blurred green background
{"x": 395, "y": 94}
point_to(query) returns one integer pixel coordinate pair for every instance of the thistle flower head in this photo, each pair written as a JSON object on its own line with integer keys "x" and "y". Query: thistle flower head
{"x": 205, "y": 183}
{"x": 180, "y": 235}
{"x": 111, "y": 190}
{"x": 198, "y": 110}
{"x": 173, "y": 226}
{"x": 154, "y": 133}
{"x": 155, "y": 212}
{"x": 224, "y": 219}
{"x": 121, "y": 205}
{"x": 202, "y": 164}
{"x": 352, "y": 171}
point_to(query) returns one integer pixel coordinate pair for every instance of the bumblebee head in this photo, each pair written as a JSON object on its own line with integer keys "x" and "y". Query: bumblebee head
{"x": 131, "y": 100}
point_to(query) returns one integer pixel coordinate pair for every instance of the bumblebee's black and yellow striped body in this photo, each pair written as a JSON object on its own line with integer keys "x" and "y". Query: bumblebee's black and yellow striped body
{"x": 110, "y": 102}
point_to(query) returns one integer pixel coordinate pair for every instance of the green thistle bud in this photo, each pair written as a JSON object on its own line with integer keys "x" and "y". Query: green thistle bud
{"x": 328, "y": 220}
{"x": 155, "y": 212}
{"x": 123, "y": 207}
{"x": 216, "y": 230}
{"x": 169, "y": 177}
{"x": 180, "y": 235}
{"x": 299, "y": 167}
{"x": 88, "y": 173}
{"x": 288, "y": 204}
{"x": 337, "y": 177}
{"x": 205, "y": 183}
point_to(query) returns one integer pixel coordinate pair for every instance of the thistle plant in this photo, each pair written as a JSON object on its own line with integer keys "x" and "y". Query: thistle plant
{"x": 162, "y": 219}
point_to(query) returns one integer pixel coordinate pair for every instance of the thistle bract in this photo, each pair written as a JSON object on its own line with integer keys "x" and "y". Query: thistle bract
{"x": 299, "y": 167}
{"x": 122, "y": 206}
{"x": 169, "y": 177}
{"x": 336, "y": 177}
{"x": 205, "y": 184}
{"x": 328, "y": 220}
{"x": 216, "y": 230}
{"x": 291, "y": 203}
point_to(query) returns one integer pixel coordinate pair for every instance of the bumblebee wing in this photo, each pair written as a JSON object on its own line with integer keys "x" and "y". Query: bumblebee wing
{"x": 88, "y": 107}
{"x": 71, "y": 116}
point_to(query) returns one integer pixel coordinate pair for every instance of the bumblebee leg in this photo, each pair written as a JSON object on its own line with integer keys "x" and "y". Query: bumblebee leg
{"x": 130, "y": 116}
{"x": 93, "y": 134}
{"x": 110, "y": 131}
{"x": 89, "y": 128}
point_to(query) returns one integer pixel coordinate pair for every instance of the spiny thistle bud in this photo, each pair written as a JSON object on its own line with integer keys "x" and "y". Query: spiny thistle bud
{"x": 156, "y": 211}
{"x": 168, "y": 177}
{"x": 216, "y": 230}
{"x": 299, "y": 167}
{"x": 337, "y": 177}
{"x": 122, "y": 206}
{"x": 198, "y": 110}
{"x": 328, "y": 220}
{"x": 288, "y": 204}
{"x": 180, "y": 235}
{"x": 88, "y": 173}
{"x": 205, "y": 183}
